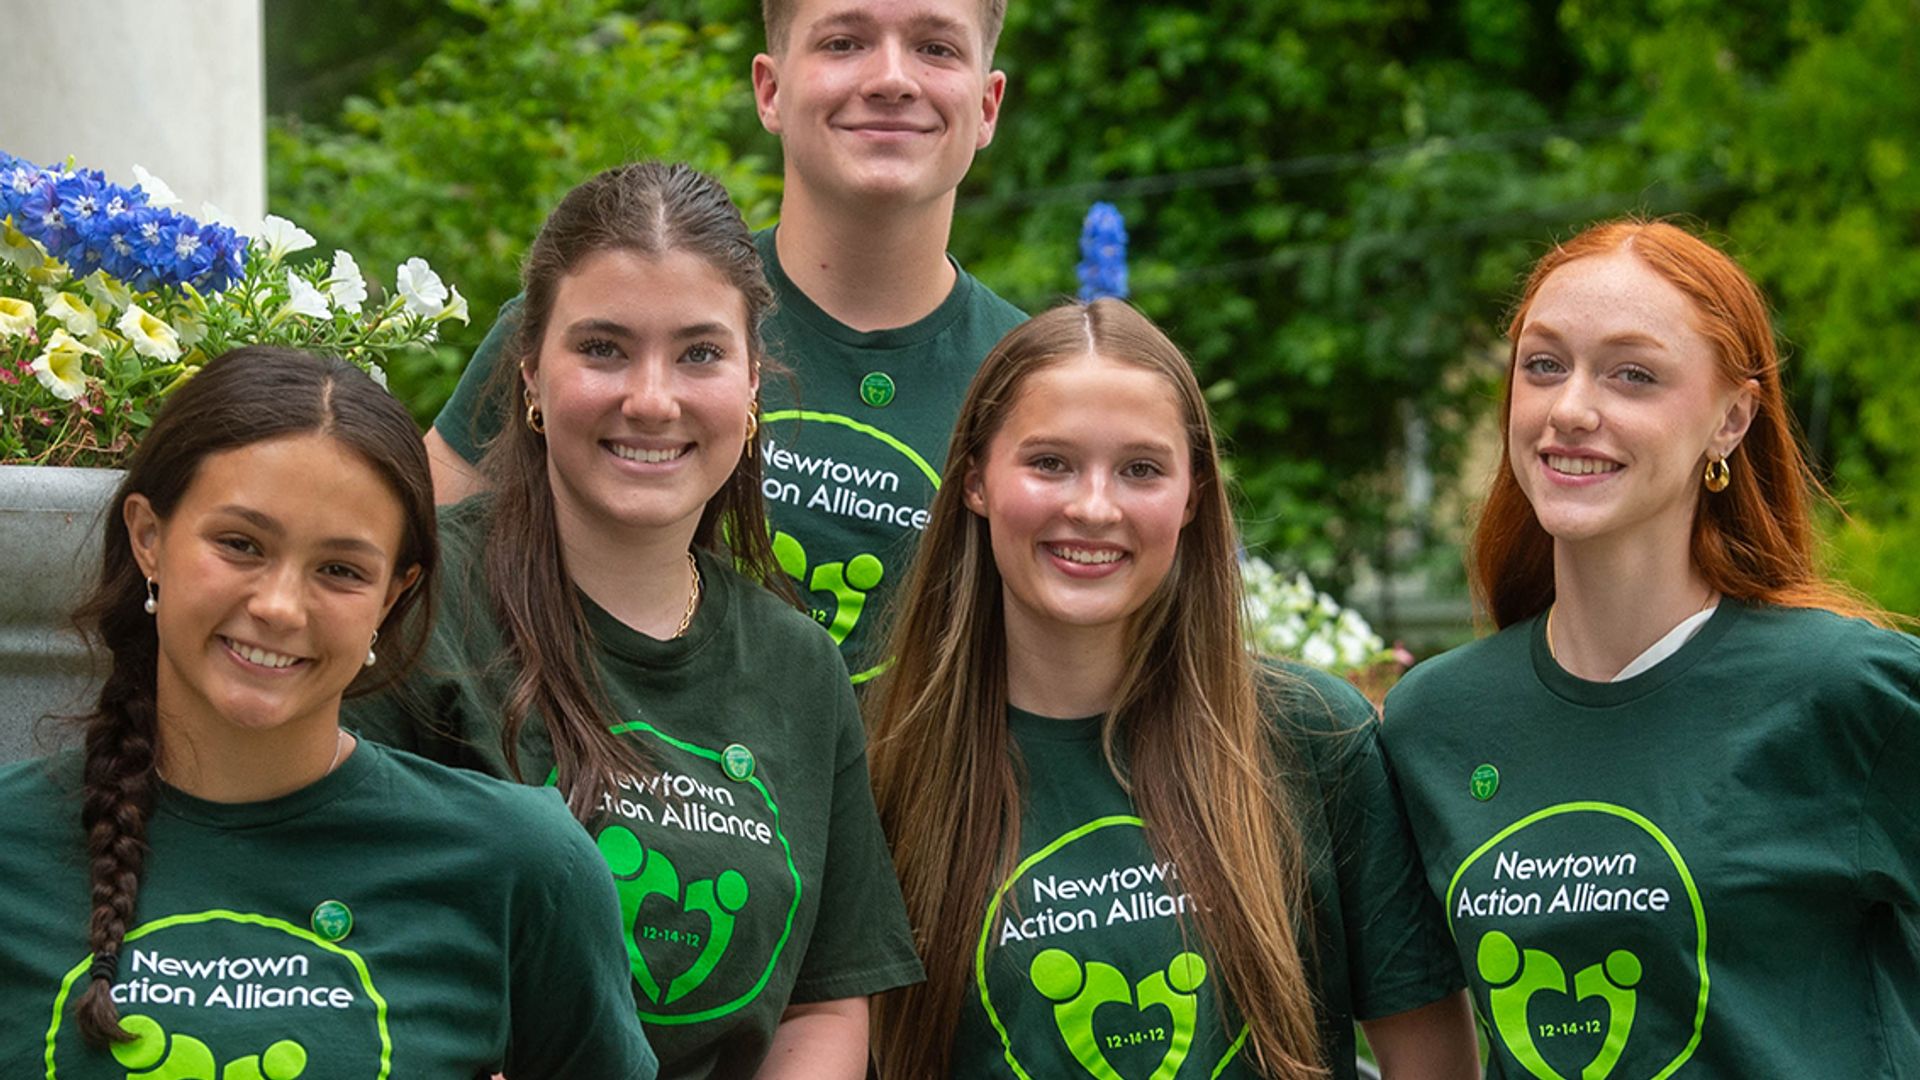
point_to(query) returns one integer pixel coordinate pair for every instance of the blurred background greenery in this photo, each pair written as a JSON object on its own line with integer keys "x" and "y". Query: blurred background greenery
{"x": 1330, "y": 202}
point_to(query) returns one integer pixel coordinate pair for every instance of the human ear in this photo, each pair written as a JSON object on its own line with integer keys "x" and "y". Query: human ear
{"x": 400, "y": 584}
{"x": 975, "y": 491}
{"x": 996, "y": 91}
{"x": 1739, "y": 417}
{"x": 766, "y": 90}
{"x": 143, "y": 532}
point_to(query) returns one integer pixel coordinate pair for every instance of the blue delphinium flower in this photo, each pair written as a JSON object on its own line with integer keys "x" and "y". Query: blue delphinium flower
{"x": 1103, "y": 254}
{"x": 17, "y": 178}
{"x": 38, "y": 215}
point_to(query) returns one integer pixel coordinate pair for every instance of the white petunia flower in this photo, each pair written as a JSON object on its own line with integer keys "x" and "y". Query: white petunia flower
{"x": 17, "y": 317}
{"x": 149, "y": 334}
{"x": 424, "y": 292}
{"x": 58, "y": 368}
{"x": 282, "y": 237}
{"x": 346, "y": 285}
{"x": 158, "y": 193}
{"x": 75, "y": 315}
{"x": 456, "y": 307}
{"x": 304, "y": 299}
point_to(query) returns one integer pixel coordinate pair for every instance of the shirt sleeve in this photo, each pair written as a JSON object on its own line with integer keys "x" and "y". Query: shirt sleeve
{"x": 861, "y": 942}
{"x": 571, "y": 992}
{"x": 467, "y": 422}
{"x": 1889, "y": 845}
{"x": 1399, "y": 954}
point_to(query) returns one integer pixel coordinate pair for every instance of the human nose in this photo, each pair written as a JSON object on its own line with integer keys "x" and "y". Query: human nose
{"x": 1575, "y": 405}
{"x": 888, "y": 74}
{"x": 1093, "y": 501}
{"x": 650, "y": 395}
{"x": 279, "y": 598}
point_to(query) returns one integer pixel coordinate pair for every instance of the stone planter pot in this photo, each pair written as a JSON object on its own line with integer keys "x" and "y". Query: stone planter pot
{"x": 49, "y": 553}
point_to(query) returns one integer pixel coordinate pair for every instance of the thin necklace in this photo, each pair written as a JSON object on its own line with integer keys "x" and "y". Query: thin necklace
{"x": 1711, "y": 597}
{"x": 339, "y": 748}
{"x": 693, "y": 596}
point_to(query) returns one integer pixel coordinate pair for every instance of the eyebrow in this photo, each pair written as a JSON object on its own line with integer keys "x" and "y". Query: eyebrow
{"x": 1628, "y": 339}
{"x": 614, "y": 328}
{"x": 270, "y": 525}
{"x": 854, "y": 18}
{"x": 1136, "y": 447}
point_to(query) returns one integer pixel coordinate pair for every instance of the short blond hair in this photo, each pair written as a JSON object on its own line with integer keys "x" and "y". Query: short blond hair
{"x": 778, "y": 16}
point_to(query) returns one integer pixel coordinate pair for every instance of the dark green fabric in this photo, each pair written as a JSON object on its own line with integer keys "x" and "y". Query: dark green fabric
{"x": 848, "y": 481}
{"x": 1084, "y": 945}
{"x": 743, "y": 895}
{"x": 1759, "y": 789}
{"x": 483, "y": 933}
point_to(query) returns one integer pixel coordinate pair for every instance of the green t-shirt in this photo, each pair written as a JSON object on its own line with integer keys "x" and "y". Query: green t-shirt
{"x": 853, "y": 445}
{"x": 1708, "y": 869}
{"x": 1083, "y": 969}
{"x": 394, "y": 919}
{"x": 752, "y": 871}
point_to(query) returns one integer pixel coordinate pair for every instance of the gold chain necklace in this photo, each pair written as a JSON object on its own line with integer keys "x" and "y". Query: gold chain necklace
{"x": 693, "y": 595}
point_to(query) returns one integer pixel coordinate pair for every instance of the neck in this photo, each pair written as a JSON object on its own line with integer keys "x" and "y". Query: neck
{"x": 223, "y": 763}
{"x": 1614, "y": 599}
{"x": 871, "y": 268}
{"x": 1066, "y": 675}
{"x": 639, "y": 576}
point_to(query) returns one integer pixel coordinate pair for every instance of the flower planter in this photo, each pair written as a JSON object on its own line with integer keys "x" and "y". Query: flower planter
{"x": 50, "y": 531}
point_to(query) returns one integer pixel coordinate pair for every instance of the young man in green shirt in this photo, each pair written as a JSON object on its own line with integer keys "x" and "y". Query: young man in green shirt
{"x": 880, "y": 107}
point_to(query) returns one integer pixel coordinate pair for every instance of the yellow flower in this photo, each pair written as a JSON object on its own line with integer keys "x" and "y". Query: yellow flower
{"x": 149, "y": 335}
{"x": 76, "y": 316}
{"x": 17, "y": 249}
{"x": 108, "y": 290}
{"x": 16, "y": 317}
{"x": 58, "y": 369}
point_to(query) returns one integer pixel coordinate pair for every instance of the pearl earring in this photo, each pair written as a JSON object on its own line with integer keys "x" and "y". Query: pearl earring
{"x": 153, "y": 600}
{"x": 376, "y": 640}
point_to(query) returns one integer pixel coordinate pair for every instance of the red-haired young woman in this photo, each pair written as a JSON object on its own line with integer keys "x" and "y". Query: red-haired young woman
{"x": 1670, "y": 808}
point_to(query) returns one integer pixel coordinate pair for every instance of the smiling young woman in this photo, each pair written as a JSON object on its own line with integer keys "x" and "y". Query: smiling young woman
{"x": 265, "y": 890}
{"x": 611, "y": 627}
{"x": 1686, "y": 761}
{"x": 1127, "y": 847}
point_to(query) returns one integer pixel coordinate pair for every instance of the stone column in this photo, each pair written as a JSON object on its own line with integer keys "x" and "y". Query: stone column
{"x": 175, "y": 86}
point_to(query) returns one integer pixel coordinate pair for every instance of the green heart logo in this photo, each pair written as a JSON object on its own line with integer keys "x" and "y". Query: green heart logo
{"x": 152, "y": 1055}
{"x": 639, "y": 874}
{"x": 1078, "y": 990}
{"x": 1514, "y": 975}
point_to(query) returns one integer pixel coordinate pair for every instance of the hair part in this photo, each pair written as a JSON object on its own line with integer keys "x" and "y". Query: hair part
{"x": 246, "y": 396}
{"x": 1191, "y": 711}
{"x": 1755, "y": 541}
{"x": 647, "y": 209}
{"x": 778, "y": 17}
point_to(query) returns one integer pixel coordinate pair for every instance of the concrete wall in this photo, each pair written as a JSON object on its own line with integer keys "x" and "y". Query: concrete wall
{"x": 175, "y": 86}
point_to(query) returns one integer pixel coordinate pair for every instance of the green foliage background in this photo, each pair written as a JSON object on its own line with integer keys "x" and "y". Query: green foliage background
{"x": 1330, "y": 201}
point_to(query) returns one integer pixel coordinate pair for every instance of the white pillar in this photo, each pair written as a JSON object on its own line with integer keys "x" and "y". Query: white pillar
{"x": 175, "y": 86}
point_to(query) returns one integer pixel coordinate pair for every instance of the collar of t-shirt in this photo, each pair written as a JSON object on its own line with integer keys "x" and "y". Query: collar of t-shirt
{"x": 1667, "y": 645}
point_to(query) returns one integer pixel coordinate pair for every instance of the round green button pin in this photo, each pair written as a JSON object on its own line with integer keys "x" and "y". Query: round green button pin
{"x": 877, "y": 389}
{"x": 332, "y": 920}
{"x": 1484, "y": 782}
{"x": 737, "y": 762}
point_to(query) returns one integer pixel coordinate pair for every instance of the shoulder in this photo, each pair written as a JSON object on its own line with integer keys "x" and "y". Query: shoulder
{"x": 1464, "y": 670}
{"x": 42, "y": 798}
{"x": 1312, "y": 701}
{"x": 520, "y": 826}
{"x": 1826, "y": 653}
{"x": 988, "y": 308}
{"x": 775, "y": 628}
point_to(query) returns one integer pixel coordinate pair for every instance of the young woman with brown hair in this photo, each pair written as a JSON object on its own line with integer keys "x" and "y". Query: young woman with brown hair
{"x": 1669, "y": 807}
{"x": 1127, "y": 846}
{"x": 610, "y": 626}
{"x": 270, "y": 897}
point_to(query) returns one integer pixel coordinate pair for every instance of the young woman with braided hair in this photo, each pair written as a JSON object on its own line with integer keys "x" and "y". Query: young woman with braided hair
{"x": 1670, "y": 807}
{"x": 271, "y": 898}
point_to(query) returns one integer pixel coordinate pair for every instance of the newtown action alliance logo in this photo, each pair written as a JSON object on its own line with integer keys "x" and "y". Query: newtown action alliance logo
{"x": 233, "y": 996}
{"x": 1588, "y": 941}
{"x": 1083, "y": 971}
{"x": 707, "y": 883}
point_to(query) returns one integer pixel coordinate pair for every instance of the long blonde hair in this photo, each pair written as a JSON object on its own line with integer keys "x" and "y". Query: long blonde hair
{"x": 1187, "y": 736}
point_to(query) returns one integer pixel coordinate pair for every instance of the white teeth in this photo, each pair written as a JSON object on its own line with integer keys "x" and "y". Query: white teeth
{"x": 652, "y": 457}
{"x": 1581, "y": 466}
{"x": 1087, "y": 557}
{"x": 261, "y": 656}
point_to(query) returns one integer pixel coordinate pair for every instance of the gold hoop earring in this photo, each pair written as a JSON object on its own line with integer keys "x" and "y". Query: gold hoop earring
{"x": 753, "y": 424}
{"x": 536, "y": 422}
{"x": 1718, "y": 474}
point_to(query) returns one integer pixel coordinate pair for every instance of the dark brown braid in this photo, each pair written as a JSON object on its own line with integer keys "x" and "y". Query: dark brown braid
{"x": 247, "y": 396}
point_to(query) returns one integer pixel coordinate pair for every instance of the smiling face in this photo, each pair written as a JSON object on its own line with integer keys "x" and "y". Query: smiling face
{"x": 1617, "y": 401}
{"x": 645, "y": 381}
{"x": 274, "y": 570}
{"x": 880, "y": 99}
{"x": 1085, "y": 488}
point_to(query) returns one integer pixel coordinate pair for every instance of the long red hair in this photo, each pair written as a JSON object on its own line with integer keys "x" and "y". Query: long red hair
{"x": 1755, "y": 540}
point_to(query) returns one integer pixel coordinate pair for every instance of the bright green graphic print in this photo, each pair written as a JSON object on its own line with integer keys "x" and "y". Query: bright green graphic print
{"x": 226, "y": 995}
{"x": 707, "y": 884}
{"x": 865, "y": 495}
{"x": 1567, "y": 914}
{"x": 151, "y": 1055}
{"x": 1083, "y": 969}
